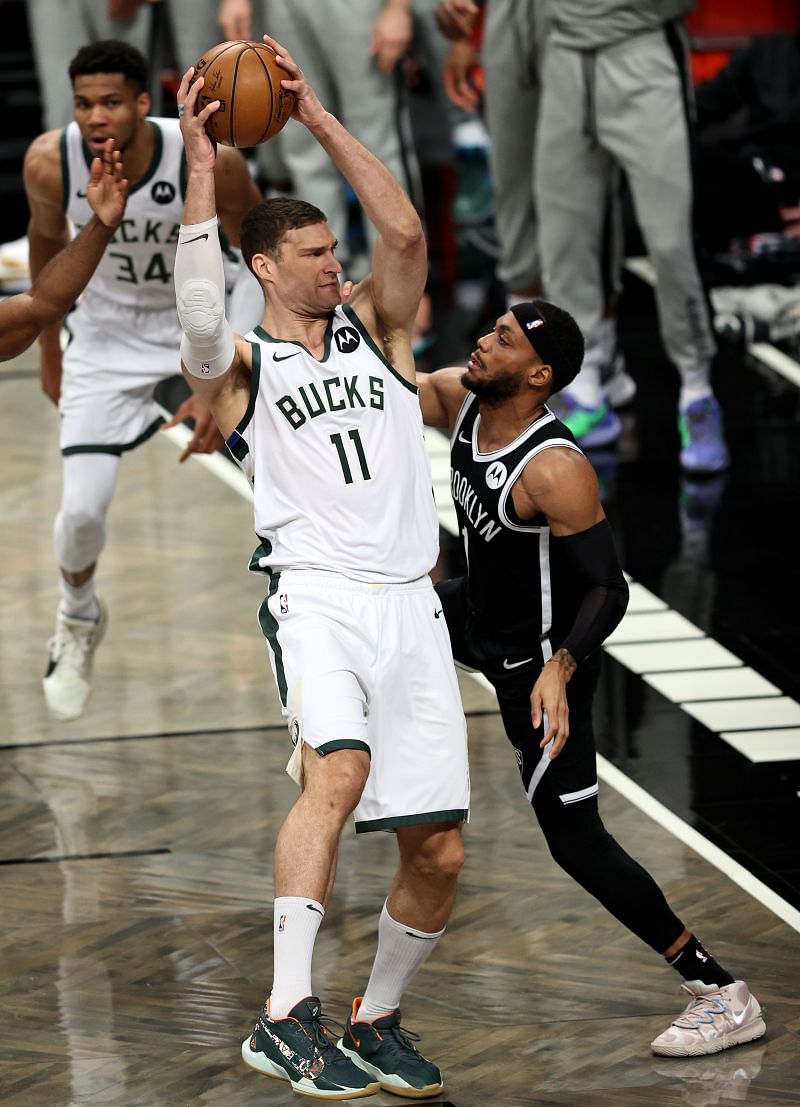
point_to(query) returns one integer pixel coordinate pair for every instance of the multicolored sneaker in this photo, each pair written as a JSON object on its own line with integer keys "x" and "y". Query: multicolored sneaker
{"x": 67, "y": 683}
{"x": 592, "y": 426}
{"x": 301, "y": 1049}
{"x": 386, "y": 1051}
{"x": 703, "y": 448}
{"x": 715, "y": 1019}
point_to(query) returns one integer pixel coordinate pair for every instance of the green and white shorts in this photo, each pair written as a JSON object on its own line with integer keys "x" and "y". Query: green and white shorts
{"x": 369, "y": 666}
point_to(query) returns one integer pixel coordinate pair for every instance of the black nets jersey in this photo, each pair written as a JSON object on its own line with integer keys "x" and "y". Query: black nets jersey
{"x": 515, "y": 588}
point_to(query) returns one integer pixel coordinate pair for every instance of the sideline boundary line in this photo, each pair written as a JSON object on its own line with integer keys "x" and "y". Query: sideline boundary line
{"x": 608, "y": 773}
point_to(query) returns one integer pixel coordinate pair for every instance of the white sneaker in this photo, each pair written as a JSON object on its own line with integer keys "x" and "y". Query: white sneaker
{"x": 715, "y": 1019}
{"x": 68, "y": 680}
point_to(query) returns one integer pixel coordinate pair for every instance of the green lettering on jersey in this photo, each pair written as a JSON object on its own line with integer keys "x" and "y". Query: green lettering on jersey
{"x": 125, "y": 234}
{"x": 351, "y": 388}
{"x": 152, "y": 230}
{"x": 312, "y": 411}
{"x": 376, "y": 393}
{"x": 328, "y": 384}
{"x": 289, "y": 408}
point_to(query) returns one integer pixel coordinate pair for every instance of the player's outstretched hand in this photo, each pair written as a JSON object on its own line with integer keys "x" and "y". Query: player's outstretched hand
{"x": 307, "y": 108}
{"x": 107, "y": 190}
{"x": 549, "y": 704}
{"x": 201, "y": 151}
{"x": 206, "y": 438}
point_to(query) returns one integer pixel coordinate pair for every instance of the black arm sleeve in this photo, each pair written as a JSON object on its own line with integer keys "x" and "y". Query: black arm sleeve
{"x": 591, "y": 559}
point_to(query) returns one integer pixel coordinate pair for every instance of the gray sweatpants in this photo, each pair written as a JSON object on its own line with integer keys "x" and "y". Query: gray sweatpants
{"x": 333, "y": 52}
{"x": 58, "y": 29}
{"x": 511, "y": 54}
{"x": 622, "y": 105}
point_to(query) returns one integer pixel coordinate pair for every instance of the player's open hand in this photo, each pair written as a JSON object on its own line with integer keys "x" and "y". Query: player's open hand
{"x": 307, "y": 108}
{"x": 549, "y": 706}
{"x": 107, "y": 190}
{"x": 201, "y": 150}
{"x": 206, "y": 438}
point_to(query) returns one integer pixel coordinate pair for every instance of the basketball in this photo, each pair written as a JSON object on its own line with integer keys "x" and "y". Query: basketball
{"x": 246, "y": 80}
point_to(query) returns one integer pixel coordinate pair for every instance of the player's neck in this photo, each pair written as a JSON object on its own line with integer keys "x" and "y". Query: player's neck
{"x": 138, "y": 154}
{"x": 501, "y": 424}
{"x": 295, "y": 326}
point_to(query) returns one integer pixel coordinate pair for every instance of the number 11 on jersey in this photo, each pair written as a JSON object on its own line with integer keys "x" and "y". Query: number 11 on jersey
{"x": 341, "y": 450}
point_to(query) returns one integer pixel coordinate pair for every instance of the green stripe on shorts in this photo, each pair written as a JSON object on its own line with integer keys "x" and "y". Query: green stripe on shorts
{"x": 269, "y": 627}
{"x": 110, "y": 447}
{"x": 457, "y": 815}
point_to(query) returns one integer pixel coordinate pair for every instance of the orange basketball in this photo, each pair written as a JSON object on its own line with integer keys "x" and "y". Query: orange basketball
{"x": 246, "y": 80}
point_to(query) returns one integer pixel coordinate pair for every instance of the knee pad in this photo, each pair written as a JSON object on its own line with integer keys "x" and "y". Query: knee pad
{"x": 79, "y": 537}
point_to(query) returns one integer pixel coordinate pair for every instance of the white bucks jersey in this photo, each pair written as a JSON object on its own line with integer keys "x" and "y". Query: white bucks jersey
{"x": 136, "y": 268}
{"x": 335, "y": 451}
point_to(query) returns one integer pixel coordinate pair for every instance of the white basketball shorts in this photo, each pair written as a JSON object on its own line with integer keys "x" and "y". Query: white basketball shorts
{"x": 369, "y": 666}
{"x": 109, "y": 374}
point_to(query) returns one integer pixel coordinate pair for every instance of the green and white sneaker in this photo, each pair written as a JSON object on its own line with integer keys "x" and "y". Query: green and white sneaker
{"x": 386, "y": 1051}
{"x": 301, "y": 1049}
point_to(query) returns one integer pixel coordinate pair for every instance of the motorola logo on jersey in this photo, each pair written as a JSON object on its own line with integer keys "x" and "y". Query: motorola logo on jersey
{"x": 496, "y": 474}
{"x": 347, "y": 340}
{"x": 163, "y": 192}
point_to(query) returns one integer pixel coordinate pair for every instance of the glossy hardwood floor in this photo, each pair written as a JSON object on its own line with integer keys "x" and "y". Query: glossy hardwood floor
{"x": 135, "y": 855}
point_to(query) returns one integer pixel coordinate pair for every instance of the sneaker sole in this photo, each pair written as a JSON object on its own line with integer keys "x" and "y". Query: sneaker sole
{"x": 399, "y": 1087}
{"x": 702, "y": 1048}
{"x": 262, "y": 1064}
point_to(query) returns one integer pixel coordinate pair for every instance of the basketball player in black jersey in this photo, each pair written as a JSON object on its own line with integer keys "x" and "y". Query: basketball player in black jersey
{"x": 543, "y": 589}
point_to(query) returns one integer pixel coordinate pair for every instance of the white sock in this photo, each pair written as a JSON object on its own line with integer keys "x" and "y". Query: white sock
{"x": 80, "y": 602}
{"x": 295, "y": 924}
{"x": 401, "y": 951}
{"x": 691, "y": 393}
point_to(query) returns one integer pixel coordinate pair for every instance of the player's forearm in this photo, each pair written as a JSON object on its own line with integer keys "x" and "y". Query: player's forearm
{"x": 200, "y": 202}
{"x": 382, "y": 197}
{"x": 65, "y": 276}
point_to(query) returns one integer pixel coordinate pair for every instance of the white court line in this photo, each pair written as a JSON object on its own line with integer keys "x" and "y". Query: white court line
{"x": 608, "y": 773}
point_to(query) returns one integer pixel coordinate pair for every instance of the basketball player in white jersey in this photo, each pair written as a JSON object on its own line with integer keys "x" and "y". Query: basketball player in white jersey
{"x": 319, "y": 405}
{"x": 124, "y": 332}
{"x": 24, "y": 316}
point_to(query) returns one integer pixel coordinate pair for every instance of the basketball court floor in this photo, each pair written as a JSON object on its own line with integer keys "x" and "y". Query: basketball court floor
{"x": 135, "y": 843}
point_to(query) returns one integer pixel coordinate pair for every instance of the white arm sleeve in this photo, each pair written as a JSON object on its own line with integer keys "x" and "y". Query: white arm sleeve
{"x": 208, "y": 346}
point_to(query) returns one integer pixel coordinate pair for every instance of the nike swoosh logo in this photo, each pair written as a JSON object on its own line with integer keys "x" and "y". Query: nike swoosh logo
{"x": 515, "y": 664}
{"x": 311, "y": 907}
{"x": 436, "y": 614}
{"x": 197, "y": 238}
{"x": 277, "y": 357}
{"x": 466, "y": 441}
{"x": 80, "y": 195}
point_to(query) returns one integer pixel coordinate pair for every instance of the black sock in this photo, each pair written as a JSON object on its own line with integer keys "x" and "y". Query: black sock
{"x": 694, "y": 962}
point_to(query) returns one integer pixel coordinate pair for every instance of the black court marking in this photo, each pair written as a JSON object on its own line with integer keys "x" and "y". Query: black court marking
{"x": 141, "y": 737}
{"x": 104, "y": 856}
{"x": 267, "y": 727}
{"x": 18, "y": 375}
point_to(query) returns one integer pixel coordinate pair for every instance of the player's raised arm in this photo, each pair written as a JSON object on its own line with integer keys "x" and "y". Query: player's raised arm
{"x": 388, "y": 300}
{"x": 209, "y": 354}
{"x": 441, "y": 395}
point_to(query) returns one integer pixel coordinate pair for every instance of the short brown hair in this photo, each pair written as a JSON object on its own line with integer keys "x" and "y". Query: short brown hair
{"x": 265, "y": 225}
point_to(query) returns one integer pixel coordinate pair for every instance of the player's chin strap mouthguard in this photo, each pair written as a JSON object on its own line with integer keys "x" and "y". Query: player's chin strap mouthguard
{"x": 208, "y": 345}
